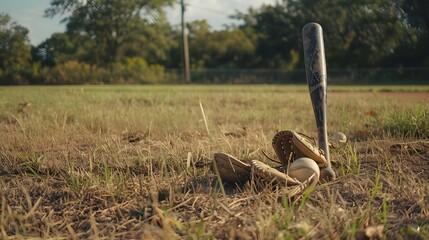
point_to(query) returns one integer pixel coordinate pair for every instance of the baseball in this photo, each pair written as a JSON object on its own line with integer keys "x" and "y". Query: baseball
{"x": 339, "y": 138}
{"x": 303, "y": 168}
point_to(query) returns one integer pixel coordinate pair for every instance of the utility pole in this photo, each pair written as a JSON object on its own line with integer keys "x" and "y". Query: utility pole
{"x": 185, "y": 50}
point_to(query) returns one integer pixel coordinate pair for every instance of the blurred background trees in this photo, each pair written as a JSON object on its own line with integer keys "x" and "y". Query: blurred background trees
{"x": 130, "y": 41}
{"x": 15, "y": 54}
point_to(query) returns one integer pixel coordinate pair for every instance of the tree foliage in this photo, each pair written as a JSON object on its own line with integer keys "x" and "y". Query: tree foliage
{"x": 56, "y": 49}
{"x": 357, "y": 33}
{"x": 15, "y": 53}
{"x": 413, "y": 50}
{"x": 223, "y": 48}
{"x": 130, "y": 41}
{"x": 109, "y": 30}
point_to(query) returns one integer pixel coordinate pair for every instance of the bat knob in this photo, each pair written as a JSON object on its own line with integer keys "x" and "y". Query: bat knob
{"x": 327, "y": 174}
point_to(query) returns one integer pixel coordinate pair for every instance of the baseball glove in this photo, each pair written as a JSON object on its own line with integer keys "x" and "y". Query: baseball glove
{"x": 290, "y": 145}
{"x": 299, "y": 170}
{"x": 270, "y": 174}
{"x": 233, "y": 170}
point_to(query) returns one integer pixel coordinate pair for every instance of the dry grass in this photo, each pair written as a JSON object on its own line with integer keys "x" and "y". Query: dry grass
{"x": 134, "y": 162}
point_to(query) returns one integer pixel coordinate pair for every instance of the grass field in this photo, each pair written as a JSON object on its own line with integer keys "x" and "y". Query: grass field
{"x": 127, "y": 162}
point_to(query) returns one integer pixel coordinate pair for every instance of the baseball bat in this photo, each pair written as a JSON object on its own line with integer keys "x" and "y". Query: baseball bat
{"x": 315, "y": 70}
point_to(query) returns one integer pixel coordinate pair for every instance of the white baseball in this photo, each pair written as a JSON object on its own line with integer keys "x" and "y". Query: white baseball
{"x": 339, "y": 138}
{"x": 303, "y": 168}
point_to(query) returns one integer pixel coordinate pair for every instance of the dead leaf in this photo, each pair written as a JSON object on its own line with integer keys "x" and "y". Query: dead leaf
{"x": 370, "y": 233}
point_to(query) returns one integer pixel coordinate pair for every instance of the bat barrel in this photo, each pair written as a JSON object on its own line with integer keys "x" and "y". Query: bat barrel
{"x": 314, "y": 54}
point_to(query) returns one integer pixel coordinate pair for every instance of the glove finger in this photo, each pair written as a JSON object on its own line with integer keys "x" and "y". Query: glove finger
{"x": 294, "y": 186}
{"x": 304, "y": 148}
{"x": 269, "y": 174}
{"x": 230, "y": 168}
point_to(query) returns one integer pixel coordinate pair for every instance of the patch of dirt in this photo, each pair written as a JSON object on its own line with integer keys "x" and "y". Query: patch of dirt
{"x": 407, "y": 155}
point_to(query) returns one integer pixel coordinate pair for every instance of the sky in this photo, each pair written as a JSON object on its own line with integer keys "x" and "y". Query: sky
{"x": 29, "y": 13}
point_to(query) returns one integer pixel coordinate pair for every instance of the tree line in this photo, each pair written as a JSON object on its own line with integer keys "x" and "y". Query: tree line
{"x": 131, "y": 41}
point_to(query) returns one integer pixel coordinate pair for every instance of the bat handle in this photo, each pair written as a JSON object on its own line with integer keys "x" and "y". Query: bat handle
{"x": 326, "y": 173}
